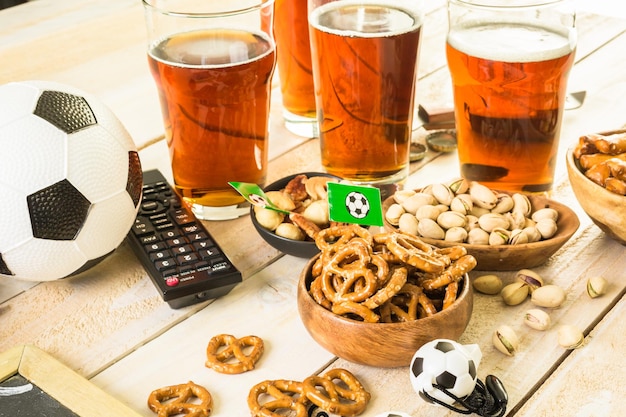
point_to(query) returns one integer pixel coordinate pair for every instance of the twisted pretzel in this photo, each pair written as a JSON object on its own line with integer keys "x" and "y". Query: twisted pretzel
{"x": 391, "y": 288}
{"x": 340, "y": 235}
{"x": 405, "y": 305}
{"x": 287, "y": 395}
{"x": 350, "y": 307}
{"x": 415, "y": 252}
{"x": 232, "y": 359}
{"x": 453, "y": 273}
{"x": 181, "y": 395}
{"x": 346, "y": 397}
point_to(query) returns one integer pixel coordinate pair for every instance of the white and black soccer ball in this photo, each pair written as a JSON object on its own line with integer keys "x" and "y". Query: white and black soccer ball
{"x": 357, "y": 204}
{"x": 445, "y": 363}
{"x": 70, "y": 181}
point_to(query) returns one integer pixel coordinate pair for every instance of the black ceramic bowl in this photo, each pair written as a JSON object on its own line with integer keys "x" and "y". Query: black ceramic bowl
{"x": 301, "y": 249}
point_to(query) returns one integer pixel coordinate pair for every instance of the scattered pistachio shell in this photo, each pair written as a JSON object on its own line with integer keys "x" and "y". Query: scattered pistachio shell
{"x": 290, "y": 231}
{"x": 393, "y": 213}
{"x": 488, "y": 284}
{"x": 515, "y": 293}
{"x": 596, "y": 286}
{"x": 549, "y": 296}
{"x": 505, "y": 340}
{"x": 570, "y": 337}
{"x": 408, "y": 223}
{"x": 530, "y": 278}
{"x": 430, "y": 229}
{"x": 537, "y": 319}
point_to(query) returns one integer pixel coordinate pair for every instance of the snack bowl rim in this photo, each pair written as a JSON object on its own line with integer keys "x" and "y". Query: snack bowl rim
{"x": 507, "y": 257}
{"x": 380, "y": 337}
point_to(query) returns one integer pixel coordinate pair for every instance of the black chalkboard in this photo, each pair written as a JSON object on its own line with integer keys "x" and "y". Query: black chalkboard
{"x": 21, "y": 398}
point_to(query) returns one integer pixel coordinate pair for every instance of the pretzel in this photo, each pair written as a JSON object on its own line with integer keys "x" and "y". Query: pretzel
{"x": 608, "y": 144}
{"x": 391, "y": 288}
{"x": 180, "y": 396}
{"x": 450, "y": 296}
{"x": 453, "y": 273}
{"x": 232, "y": 359}
{"x": 339, "y": 235}
{"x": 346, "y": 397}
{"x": 350, "y": 307}
{"x": 415, "y": 252}
{"x": 287, "y": 395}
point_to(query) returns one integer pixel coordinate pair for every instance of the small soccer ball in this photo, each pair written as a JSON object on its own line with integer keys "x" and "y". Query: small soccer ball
{"x": 70, "y": 181}
{"x": 445, "y": 363}
{"x": 357, "y": 204}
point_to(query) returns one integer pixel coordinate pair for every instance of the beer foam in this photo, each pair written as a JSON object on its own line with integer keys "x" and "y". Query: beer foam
{"x": 365, "y": 19}
{"x": 511, "y": 42}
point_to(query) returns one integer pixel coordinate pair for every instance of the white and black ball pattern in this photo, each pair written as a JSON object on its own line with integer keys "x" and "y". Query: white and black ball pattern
{"x": 357, "y": 204}
{"x": 70, "y": 181}
{"x": 445, "y": 363}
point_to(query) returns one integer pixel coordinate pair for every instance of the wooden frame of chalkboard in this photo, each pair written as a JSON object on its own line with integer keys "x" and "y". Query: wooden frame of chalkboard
{"x": 61, "y": 383}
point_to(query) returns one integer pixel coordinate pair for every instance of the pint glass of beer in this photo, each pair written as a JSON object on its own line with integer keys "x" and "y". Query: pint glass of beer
{"x": 365, "y": 55}
{"x": 291, "y": 31}
{"x": 509, "y": 63}
{"x": 213, "y": 62}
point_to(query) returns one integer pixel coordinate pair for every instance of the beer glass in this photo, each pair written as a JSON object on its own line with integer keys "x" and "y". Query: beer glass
{"x": 365, "y": 57}
{"x": 213, "y": 62}
{"x": 291, "y": 31}
{"x": 509, "y": 63}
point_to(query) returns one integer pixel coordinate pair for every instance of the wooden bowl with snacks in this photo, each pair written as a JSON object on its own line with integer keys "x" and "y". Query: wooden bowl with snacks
{"x": 380, "y": 344}
{"x": 507, "y": 256}
{"x": 604, "y": 207}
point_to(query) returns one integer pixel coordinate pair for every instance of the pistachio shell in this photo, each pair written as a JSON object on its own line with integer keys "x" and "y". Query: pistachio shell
{"x": 462, "y": 204}
{"x": 514, "y": 293}
{"x": 488, "y": 284}
{"x": 459, "y": 185}
{"x": 456, "y": 234}
{"x": 442, "y": 193}
{"x": 477, "y": 236}
{"x": 516, "y": 220}
{"x": 490, "y": 221}
{"x": 549, "y": 296}
{"x": 408, "y": 224}
{"x": 545, "y": 213}
{"x": 537, "y": 319}
{"x": 428, "y": 212}
{"x": 570, "y": 337}
{"x": 482, "y": 196}
{"x": 533, "y": 234}
{"x": 521, "y": 204}
{"x": 472, "y": 222}
{"x": 401, "y": 195}
{"x": 547, "y": 228}
{"x": 393, "y": 213}
{"x": 479, "y": 211}
{"x": 518, "y": 237}
{"x": 430, "y": 229}
{"x": 498, "y": 237}
{"x": 418, "y": 200}
{"x": 530, "y": 278}
{"x": 449, "y": 219}
{"x": 505, "y": 340}
{"x": 504, "y": 204}
{"x": 596, "y": 286}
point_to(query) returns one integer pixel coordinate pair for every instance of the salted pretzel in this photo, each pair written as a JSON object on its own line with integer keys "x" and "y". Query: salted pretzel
{"x": 453, "y": 273}
{"x": 413, "y": 251}
{"x": 340, "y": 235}
{"x": 405, "y": 306}
{"x": 343, "y": 308}
{"x": 392, "y": 286}
{"x": 337, "y": 392}
{"x": 450, "y": 295}
{"x": 176, "y": 399}
{"x": 232, "y": 359}
{"x": 286, "y": 395}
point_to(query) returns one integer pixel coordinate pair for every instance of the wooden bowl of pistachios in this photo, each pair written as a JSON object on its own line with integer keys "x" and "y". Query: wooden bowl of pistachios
{"x": 504, "y": 231}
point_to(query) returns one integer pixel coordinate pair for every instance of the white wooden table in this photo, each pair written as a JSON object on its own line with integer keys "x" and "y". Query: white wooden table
{"x": 110, "y": 325}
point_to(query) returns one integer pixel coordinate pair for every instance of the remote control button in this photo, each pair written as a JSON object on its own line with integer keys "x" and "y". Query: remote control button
{"x": 156, "y": 246}
{"x": 171, "y": 234}
{"x": 209, "y": 253}
{"x": 181, "y": 250}
{"x": 164, "y": 264}
{"x": 199, "y": 236}
{"x": 202, "y": 244}
{"x": 177, "y": 241}
{"x": 172, "y": 281}
{"x": 142, "y": 226}
{"x": 149, "y": 239}
{"x": 182, "y": 216}
{"x": 161, "y": 255}
{"x": 186, "y": 258}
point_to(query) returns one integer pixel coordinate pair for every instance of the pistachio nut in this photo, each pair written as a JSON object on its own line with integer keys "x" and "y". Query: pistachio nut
{"x": 477, "y": 236}
{"x": 393, "y": 213}
{"x": 537, "y": 319}
{"x": 570, "y": 337}
{"x": 549, "y": 296}
{"x": 530, "y": 278}
{"x": 462, "y": 203}
{"x": 547, "y": 228}
{"x": 514, "y": 293}
{"x": 532, "y": 233}
{"x": 516, "y": 219}
{"x": 418, "y": 200}
{"x": 449, "y": 219}
{"x": 488, "y": 284}
{"x": 596, "y": 286}
{"x": 472, "y": 222}
{"x": 428, "y": 212}
{"x": 456, "y": 234}
{"x": 479, "y": 211}
{"x": 401, "y": 195}
{"x": 482, "y": 196}
{"x": 518, "y": 237}
{"x": 505, "y": 340}
{"x": 499, "y": 236}
{"x": 429, "y": 228}
{"x": 545, "y": 213}
{"x": 407, "y": 223}
{"x": 442, "y": 193}
{"x": 504, "y": 204}
{"x": 521, "y": 204}
{"x": 459, "y": 185}
{"x": 491, "y": 221}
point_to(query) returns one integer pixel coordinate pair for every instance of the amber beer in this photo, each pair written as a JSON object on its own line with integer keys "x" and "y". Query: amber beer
{"x": 291, "y": 31}
{"x": 509, "y": 103}
{"x": 365, "y": 61}
{"x": 214, "y": 88}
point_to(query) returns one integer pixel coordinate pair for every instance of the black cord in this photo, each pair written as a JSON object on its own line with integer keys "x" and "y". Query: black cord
{"x": 490, "y": 401}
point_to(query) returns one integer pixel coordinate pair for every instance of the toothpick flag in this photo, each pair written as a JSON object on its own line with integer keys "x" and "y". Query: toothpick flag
{"x": 355, "y": 204}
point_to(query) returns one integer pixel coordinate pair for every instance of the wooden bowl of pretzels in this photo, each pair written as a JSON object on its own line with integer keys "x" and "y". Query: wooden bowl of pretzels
{"x": 376, "y": 299}
{"x": 596, "y": 167}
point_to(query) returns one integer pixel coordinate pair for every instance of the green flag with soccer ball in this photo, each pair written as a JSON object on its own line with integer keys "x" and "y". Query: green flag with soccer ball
{"x": 355, "y": 204}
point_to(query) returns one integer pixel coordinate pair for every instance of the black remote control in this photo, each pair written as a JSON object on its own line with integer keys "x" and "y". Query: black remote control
{"x": 183, "y": 260}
